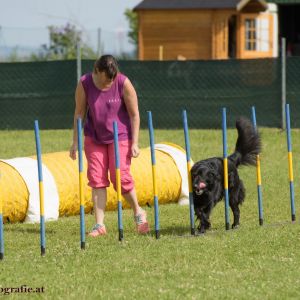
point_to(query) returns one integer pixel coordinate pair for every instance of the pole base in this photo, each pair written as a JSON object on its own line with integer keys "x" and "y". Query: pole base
{"x": 157, "y": 234}
{"x": 43, "y": 251}
{"x": 261, "y": 222}
{"x": 1, "y": 256}
{"x": 227, "y": 226}
{"x": 193, "y": 231}
{"x": 82, "y": 245}
{"x": 293, "y": 218}
{"x": 121, "y": 237}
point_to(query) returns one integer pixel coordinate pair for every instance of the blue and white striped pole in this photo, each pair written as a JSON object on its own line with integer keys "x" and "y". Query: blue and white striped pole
{"x": 81, "y": 194}
{"x": 189, "y": 167}
{"x": 118, "y": 180}
{"x": 41, "y": 187}
{"x": 258, "y": 177}
{"x": 290, "y": 160}
{"x": 154, "y": 180}
{"x": 225, "y": 166}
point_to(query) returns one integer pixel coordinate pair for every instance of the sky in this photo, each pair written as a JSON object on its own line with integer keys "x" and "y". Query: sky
{"x": 24, "y": 22}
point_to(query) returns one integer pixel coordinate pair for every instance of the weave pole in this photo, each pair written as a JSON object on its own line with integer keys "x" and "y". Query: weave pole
{"x": 41, "y": 187}
{"x": 81, "y": 195}
{"x": 290, "y": 160}
{"x": 225, "y": 166}
{"x": 118, "y": 180}
{"x": 154, "y": 180}
{"x": 1, "y": 229}
{"x": 258, "y": 177}
{"x": 188, "y": 163}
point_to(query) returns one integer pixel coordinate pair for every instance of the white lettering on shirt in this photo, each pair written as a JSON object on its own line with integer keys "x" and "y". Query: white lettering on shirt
{"x": 114, "y": 100}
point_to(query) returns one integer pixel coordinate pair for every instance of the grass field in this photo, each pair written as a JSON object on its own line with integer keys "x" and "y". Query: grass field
{"x": 251, "y": 262}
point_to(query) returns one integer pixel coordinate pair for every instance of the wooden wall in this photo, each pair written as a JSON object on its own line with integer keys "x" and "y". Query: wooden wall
{"x": 184, "y": 33}
{"x": 192, "y": 34}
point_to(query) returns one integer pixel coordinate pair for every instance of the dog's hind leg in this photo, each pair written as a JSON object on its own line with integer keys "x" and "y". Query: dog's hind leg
{"x": 236, "y": 215}
{"x": 237, "y": 196}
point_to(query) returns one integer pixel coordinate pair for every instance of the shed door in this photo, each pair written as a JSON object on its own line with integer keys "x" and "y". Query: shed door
{"x": 220, "y": 37}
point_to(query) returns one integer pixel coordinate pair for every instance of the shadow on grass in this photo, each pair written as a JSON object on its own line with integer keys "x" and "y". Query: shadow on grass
{"x": 185, "y": 232}
{"x": 277, "y": 224}
{"x": 177, "y": 231}
{"x": 29, "y": 230}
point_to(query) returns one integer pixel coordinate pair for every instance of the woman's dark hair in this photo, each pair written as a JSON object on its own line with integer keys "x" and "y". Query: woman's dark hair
{"x": 107, "y": 64}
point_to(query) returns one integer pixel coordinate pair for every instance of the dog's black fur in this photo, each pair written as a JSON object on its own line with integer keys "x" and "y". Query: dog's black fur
{"x": 208, "y": 178}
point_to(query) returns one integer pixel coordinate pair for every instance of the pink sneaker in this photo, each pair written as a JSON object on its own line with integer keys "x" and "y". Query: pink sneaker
{"x": 98, "y": 230}
{"x": 142, "y": 225}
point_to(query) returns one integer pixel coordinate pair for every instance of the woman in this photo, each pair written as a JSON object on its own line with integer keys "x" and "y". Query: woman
{"x": 104, "y": 96}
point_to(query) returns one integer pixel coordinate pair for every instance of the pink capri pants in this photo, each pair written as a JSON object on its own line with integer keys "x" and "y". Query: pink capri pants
{"x": 101, "y": 159}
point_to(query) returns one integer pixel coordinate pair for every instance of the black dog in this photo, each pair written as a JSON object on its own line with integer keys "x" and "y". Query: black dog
{"x": 208, "y": 176}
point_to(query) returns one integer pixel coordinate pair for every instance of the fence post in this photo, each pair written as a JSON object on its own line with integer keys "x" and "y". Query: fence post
{"x": 283, "y": 82}
{"x": 99, "y": 42}
{"x": 0, "y": 44}
{"x": 78, "y": 60}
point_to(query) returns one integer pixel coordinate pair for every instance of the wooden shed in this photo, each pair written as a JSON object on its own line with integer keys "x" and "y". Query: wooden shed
{"x": 206, "y": 29}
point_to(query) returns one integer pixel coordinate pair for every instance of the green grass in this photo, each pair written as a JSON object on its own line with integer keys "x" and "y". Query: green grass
{"x": 252, "y": 262}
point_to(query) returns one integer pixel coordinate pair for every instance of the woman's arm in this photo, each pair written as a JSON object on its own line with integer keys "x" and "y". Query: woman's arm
{"x": 80, "y": 111}
{"x": 131, "y": 102}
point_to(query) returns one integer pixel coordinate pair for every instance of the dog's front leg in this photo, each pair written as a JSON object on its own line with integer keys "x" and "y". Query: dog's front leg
{"x": 204, "y": 218}
{"x": 202, "y": 226}
{"x": 200, "y": 216}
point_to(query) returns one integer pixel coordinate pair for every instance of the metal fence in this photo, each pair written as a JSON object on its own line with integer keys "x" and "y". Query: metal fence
{"x": 45, "y": 91}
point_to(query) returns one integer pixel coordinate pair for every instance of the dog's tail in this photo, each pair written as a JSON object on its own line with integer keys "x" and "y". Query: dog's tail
{"x": 248, "y": 143}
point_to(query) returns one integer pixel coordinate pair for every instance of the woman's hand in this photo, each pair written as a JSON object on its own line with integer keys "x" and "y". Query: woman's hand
{"x": 135, "y": 150}
{"x": 73, "y": 151}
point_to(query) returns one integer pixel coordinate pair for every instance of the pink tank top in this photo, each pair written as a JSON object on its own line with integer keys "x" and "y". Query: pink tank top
{"x": 104, "y": 107}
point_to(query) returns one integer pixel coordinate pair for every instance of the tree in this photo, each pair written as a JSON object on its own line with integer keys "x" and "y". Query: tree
{"x": 63, "y": 44}
{"x": 13, "y": 56}
{"x": 132, "y": 18}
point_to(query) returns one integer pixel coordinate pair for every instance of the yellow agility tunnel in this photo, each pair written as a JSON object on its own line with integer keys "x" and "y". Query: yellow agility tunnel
{"x": 19, "y": 183}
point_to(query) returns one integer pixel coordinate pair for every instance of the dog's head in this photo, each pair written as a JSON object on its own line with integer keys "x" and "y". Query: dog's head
{"x": 203, "y": 178}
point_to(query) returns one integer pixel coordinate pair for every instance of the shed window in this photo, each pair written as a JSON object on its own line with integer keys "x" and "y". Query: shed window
{"x": 250, "y": 34}
{"x": 257, "y": 34}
